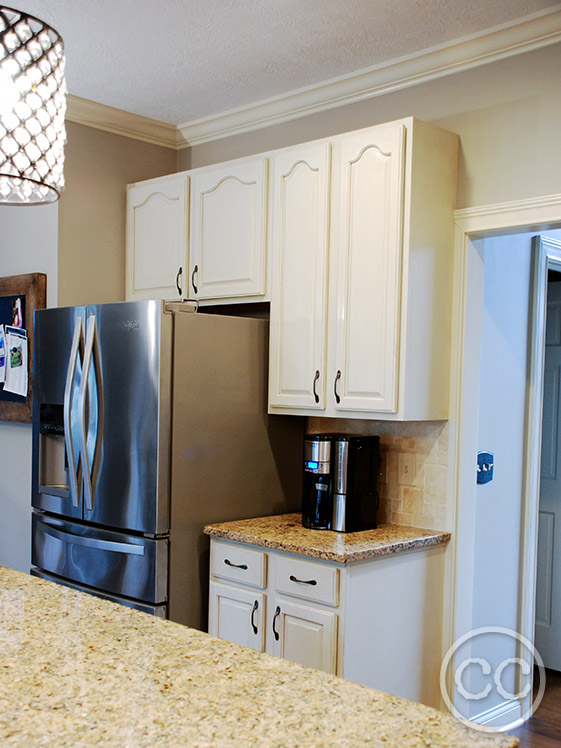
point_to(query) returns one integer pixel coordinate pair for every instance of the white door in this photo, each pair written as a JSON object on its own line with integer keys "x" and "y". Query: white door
{"x": 157, "y": 238}
{"x": 367, "y": 252}
{"x": 228, "y": 230}
{"x": 300, "y": 244}
{"x": 236, "y": 614}
{"x": 303, "y": 633}
{"x": 548, "y": 590}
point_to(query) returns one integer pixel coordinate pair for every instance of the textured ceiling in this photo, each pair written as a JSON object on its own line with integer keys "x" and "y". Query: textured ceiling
{"x": 181, "y": 60}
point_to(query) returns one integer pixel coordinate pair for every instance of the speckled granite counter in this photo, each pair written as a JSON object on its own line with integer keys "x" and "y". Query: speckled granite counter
{"x": 78, "y": 671}
{"x": 285, "y": 532}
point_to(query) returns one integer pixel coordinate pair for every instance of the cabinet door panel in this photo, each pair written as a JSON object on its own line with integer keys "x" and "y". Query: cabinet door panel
{"x": 237, "y": 615}
{"x": 157, "y": 238}
{"x": 300, "y": 241}
{"x": 306, "y": 634}
{"x": 228, "y": 256}
{"x": 368, "y": 288}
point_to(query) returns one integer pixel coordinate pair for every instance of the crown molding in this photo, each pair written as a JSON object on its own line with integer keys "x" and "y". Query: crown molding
{"x": 119, "y": 122}
{"x": 532, "y": 211}
{"x": 532, "y": 32}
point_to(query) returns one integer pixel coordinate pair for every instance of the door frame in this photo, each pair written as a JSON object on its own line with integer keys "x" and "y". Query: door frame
{"x": 535, "y": 214}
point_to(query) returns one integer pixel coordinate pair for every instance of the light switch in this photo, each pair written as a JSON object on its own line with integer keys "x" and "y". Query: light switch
{"x": 406, "y": 469}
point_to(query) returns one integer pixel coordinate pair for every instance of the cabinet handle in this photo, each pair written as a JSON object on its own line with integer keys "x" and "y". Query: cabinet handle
{"x": 316, "y": 396}
{"x": 255, "y": 606}
{"x": 337, "y": 378}
{"x": 277, "y": 614}
{"x": 313, "y": 582}
{"x": 177, "y": 277}
{"x": 193, "y": 274}
{"x": 236, "y": 566}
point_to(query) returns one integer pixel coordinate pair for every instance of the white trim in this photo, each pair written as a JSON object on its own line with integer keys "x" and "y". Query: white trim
{"x": 523, "y": 35}
{"x": 547, "y": 254}
{"x": 507, "y": 713}
{"x": 532, "y": 32}
{"x": 532, "y": 214}
{"x": 109, "y": 119}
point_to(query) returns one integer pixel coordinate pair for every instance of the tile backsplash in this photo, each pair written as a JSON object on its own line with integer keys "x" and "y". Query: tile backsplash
{"x": 419, "y": 500}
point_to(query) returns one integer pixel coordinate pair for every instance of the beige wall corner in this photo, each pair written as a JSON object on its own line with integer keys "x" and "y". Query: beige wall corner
{"x": 98, "y": 167}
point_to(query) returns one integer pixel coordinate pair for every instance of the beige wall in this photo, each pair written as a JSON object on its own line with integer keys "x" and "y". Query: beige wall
{"x": 507, "y": 114}
{"x": 98, "y": 166}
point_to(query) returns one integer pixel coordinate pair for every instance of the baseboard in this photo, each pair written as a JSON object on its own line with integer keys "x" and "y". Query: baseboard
{"x": 508, "y": 713}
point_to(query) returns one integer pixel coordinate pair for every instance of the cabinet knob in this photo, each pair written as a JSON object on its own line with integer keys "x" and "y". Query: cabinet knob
{"x": 337, "y": 378}
{"x": 193, "y": 274}
{"x": 316, "y": 396}
{"x": 177, "y": 277}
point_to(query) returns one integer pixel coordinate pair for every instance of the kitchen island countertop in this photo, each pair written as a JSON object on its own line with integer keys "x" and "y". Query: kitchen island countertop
{"x": 80, "y": 671}
{"x": 285, "y": 532}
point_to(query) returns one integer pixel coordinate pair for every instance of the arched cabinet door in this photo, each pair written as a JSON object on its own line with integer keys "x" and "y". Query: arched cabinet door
{"x": 300, "y": 244}
{"x": 228, "y": 230}
{"x": 367, "y": 262}
{"x": 157, "y": 235}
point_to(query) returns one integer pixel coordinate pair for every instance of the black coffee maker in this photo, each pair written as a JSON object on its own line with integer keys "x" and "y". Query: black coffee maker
{"x": 340, "y": 474}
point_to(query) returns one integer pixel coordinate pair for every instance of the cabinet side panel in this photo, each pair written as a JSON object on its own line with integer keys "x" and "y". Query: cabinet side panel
{"x": 393, "y": 625}
{"x": 230, "y": 460}
{"x": 429, "y": 234}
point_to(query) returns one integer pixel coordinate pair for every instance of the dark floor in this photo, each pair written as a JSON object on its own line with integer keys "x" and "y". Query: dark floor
{"x": 543, "y": 730}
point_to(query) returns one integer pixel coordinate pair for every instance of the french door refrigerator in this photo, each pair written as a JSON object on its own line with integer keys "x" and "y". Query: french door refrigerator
{"x": 149, "y": 421}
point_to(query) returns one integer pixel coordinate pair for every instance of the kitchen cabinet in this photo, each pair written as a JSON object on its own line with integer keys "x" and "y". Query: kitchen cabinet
{"x": 229, "y": 230}
{"x": 360, "y": 327}
{"x": 300, "y": 179}
{"x": 376, "y": 621}
{"x": 157, "y": 238}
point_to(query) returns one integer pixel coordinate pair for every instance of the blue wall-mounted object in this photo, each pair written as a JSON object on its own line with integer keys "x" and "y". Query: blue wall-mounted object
{"x": 485, "y": 465}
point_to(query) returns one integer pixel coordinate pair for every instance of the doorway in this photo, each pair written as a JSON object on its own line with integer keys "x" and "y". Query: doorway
{"x": 475, "y": 226}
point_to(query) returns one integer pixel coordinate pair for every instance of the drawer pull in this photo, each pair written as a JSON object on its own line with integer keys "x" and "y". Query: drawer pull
{"x": 277, "y": 614}
{"x": 236, "y": 566}
{"x": 313, "y": 582}
{"x": 255, "y": 606}
{"x": 316, "y": 396}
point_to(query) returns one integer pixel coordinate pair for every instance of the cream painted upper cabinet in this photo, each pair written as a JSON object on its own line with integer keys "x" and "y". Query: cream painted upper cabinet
{"x": 386, "y": 331}
{"x": 157, "y": 231}
{"x": 366, "y": 288}
{"x": 300, "y": 244}
{"x": 229, "y": 230}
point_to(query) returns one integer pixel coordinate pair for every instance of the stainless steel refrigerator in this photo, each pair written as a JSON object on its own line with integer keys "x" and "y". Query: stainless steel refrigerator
{"x": 149, "y": 421}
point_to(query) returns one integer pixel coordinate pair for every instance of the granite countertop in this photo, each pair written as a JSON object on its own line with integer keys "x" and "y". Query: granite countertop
{"x": 80, "y": 671}
{"x": 285, "y": 532}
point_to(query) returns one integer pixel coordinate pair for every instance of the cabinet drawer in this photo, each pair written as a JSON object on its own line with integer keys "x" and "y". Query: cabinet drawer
{"x": 307, "y": 579}
{"x": 244, "y": 565}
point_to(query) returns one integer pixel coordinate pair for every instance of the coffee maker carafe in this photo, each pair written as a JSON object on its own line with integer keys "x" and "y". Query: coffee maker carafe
{"x": 317, "y": 497}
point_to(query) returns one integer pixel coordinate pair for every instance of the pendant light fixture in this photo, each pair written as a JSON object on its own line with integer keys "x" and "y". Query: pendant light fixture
{"x": 32, "y": 109}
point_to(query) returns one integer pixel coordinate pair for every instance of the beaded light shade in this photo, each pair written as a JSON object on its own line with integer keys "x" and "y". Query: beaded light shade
{"x": 32, "y": 109}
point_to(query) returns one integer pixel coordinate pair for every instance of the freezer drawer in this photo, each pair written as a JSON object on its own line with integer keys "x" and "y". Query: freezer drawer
{"x": 112, "y": 562}
{"x": 156, "y": 610}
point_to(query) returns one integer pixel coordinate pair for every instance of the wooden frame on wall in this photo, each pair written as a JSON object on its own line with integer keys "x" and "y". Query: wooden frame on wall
{"x": 32, "y": 289}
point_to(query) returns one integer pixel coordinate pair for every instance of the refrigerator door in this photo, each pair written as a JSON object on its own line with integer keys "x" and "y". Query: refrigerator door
{"x": 125, "y": 402}
{"x": 156, "y": 610}
{"x": 58, "y": 358}
{"x": 124, "y": 565}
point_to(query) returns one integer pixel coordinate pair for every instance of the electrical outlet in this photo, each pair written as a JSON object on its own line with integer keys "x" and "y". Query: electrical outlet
{"x": 406, "y": 469}
{"x": 383, "y": 468}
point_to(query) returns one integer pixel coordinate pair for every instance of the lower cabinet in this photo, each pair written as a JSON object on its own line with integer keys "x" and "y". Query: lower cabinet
{"x": 377, "y": 622}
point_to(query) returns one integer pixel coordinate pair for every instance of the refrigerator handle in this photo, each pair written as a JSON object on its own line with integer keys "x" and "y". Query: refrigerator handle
{"x": 99, "y": 544}
{"x": 91, "y": 351}
{"x": 73, "y": 360}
